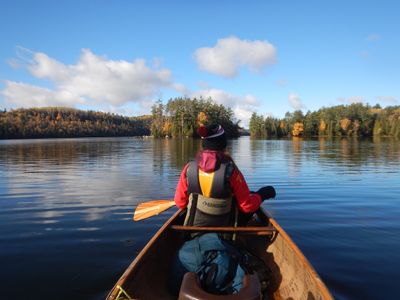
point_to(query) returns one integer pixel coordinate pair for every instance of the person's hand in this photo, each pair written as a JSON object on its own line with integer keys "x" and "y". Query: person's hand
{"x": 266, "y": 192}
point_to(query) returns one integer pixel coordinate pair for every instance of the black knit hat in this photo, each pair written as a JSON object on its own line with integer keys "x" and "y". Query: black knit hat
{"x": 212, "y": 137}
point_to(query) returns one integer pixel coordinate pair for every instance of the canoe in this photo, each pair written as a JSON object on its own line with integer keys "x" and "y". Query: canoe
{"x": 293, "y": 277}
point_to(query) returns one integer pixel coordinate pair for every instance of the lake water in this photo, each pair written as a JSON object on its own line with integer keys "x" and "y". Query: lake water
{"x": 66, "y": 206}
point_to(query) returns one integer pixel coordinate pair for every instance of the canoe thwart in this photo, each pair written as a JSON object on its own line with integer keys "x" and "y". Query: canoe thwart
{"x": 261, "y": 230}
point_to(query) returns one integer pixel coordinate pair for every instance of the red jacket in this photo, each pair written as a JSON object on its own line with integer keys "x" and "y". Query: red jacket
{"x": 247, "y": 202}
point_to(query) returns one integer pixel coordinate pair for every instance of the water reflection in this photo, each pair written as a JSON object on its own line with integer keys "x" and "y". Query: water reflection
{"x": 60, "y": 151}
{"x": 182, "y": 150}
{"x": 173, "y": 153}
{"x": 35, "y": 156}
{"x": 295, "y": 161}
{"x": 355, "y": 153}
{"x": 70, "y": 176}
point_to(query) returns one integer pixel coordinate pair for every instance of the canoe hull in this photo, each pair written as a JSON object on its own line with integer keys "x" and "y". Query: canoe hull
{"x": 293, "y": 276}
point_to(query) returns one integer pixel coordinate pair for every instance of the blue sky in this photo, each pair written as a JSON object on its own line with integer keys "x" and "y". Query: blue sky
{"x": 268, "y": 57}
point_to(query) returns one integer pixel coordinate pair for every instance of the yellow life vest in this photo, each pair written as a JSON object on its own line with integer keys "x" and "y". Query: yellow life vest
{"x": 210, "y": 196}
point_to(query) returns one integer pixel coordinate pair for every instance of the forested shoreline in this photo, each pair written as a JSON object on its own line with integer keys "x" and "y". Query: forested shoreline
{"x": 355, "y": 119}
{"x": 180, "y": 117}
{"x": 61, "y": 122}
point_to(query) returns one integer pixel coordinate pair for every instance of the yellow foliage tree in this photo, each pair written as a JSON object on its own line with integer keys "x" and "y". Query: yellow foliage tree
{"x": 201, "y": 118}
{"x": 298, "y": 129}
{"x": 167, "y": 127}
{"x": 345, "y": 124}
{"x": 322, "y": 126}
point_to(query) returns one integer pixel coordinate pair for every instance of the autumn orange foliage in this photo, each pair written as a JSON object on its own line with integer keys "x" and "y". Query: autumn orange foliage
{"x": 298, "y": 129}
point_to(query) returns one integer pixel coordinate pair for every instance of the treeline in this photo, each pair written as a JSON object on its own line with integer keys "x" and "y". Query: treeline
{"x": 342, "y": 120}
{"x": 59, "y": 122}
{"x": 180, "y": 117}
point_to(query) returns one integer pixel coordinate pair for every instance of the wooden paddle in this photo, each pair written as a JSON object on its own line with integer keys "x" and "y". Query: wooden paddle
{"x": 152, "y": 208}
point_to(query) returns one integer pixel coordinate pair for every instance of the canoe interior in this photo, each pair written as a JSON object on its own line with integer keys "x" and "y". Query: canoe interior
{"x": 292, "y": 275}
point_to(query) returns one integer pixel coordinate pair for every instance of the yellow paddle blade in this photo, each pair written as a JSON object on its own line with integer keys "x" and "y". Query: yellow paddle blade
{"x": 148, "y": 209}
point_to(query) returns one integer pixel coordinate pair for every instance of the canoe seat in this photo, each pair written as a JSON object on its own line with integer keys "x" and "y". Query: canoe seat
{"x": 190, "y": 289}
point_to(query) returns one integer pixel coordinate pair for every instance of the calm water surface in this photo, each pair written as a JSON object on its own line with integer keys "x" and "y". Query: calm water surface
{"x": 66, "y": 207}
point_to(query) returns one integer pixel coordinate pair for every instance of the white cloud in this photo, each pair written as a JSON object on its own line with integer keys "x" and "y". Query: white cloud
{"x": 230, "y": 54}
{"x": 373, "y": 37}
{"x": 181, "y": 88}
{"x": 93, "y": 80}
{"x": 242, "y": 106}
{"x": 244, "y": 115}
{"x": 14, "y": 63}
{"x": 281, "y": 82}
{"x": 351, "y": 100}
{"x": 387, "y": 99}
{"x": 122, "y": 110}
{"x": 295, "y": 101}
{"x": 26, "y": 95}
{"x": 364, "y": 54}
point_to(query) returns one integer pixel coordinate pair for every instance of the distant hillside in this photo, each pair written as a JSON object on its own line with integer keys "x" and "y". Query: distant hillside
{"x": 60, "y": 122}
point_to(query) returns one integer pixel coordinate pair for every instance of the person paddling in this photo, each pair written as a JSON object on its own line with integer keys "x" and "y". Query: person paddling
{"x": 211, "y": 186}
{"x": 215, "y": 193}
